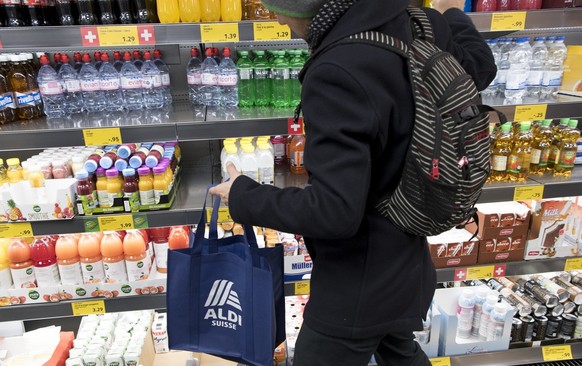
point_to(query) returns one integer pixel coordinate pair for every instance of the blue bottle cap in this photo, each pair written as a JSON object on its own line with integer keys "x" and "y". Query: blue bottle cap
{"x": 135, "y": 162}
{"x": 151, "y": 161}
{"x": 91, "y": 166}
{"x": 106, "y": 162}
{"x": 121, "y": 164}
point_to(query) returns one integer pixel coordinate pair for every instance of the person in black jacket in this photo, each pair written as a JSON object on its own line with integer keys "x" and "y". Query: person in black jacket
{"x": 371, "y": 283}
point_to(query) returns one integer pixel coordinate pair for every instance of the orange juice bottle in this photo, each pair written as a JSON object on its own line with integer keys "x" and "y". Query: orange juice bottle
{"x": 21, "y": 268}
{"x": 91, "y": 260}
{"x": 68, "y": 260}
{"x": 5, "y": 276}
{"x": 168, "y": 11}
{"x": 101, "y": 186}
{"x": 189, "y": 11}
{"x": 296, "y": 148}
{"x": 146, "y": 186}
{"x": 179, "y": 238}
{"x": 230, "y": 10}
{"x": 113, "y": 259}
{"x": 136, "y": 257}
{"x": 210, "y": 10}
{"x": 114, "y": 185}
{"x": 160, "y": 183}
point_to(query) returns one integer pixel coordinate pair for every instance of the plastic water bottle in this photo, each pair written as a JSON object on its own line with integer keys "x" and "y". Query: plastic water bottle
{"x": 165, "y": 72}
{"x": 153, "y": 91}
{"x": 117, "y": 62}
{"x": 194, "y": 75}
{"x": 92, "y": 95}
{"x": 280, "y": 79}
{"x": 131, "y": 84}
{"x": 228, "y": 80}
{"x": 51, "y": 90}
{"x": 78, "y": 58}
{"x": 98, "y": 62}
{"x": 488, "y": 306}
{"x": 72, "y": 86}
{"x": 480, "y": 298}
{"x": 110, "y": 85}
{"x": 557, "y": 53}
{"x": 496, "y": 322}
{"x": 539, "y": 58}
{"x": 295, "y": 66}
{"x": 492, "y": 90}
{"x": 209, "y": 91}
{"x": 519, "y": 60}
{"x": 263, "y": 85}
{"x": 505, "y": 48}
{"x": 137, "y": 59}
{"x": 266, "y": 164}
{"x": 246, "y": 83}
{"x": 465, "y": 308}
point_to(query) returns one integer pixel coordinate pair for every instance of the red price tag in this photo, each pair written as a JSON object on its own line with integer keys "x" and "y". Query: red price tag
{"x": 295, "y": 128}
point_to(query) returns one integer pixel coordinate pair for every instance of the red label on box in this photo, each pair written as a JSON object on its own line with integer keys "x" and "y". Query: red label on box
{"x": 453, "y": 262}
{"x": 501, "y": 256}
{"x": 533, "y": 252}
{"x": 506, "y": 232}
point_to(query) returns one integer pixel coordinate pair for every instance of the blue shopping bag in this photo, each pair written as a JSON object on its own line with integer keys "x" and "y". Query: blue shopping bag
{"x": 220, "y": 297}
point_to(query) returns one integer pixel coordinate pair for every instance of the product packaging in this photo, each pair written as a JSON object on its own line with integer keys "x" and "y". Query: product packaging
{"x": 453, "y": 248}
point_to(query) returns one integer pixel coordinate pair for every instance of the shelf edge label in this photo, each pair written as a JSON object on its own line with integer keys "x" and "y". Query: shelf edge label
{"x": 271, "y": 31}
{"x": 219, "y": 32}
{"x": 302, "y": 288}
{"x": 117, "y": 222}
{"x": 295, "y": 128}
{"x": 573, "y": 264}
{"x": 88, "y": 307}
{"x": 15, "y": 230}
{"x": 118, "y": 35}
{"x": 557, "y": 353}
{"x": 528, "y": 193}
{"x": 505, "y": 21}
{"x": 441, "y": 361}
{"x": 102, "y": 136}
{"x": 530, "y": 112}
{"x": 477, "y": 273}
{"x": 223, "y": 215}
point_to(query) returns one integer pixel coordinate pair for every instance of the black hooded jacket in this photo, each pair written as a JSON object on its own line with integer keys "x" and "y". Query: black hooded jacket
{"x": 369, "y": 278}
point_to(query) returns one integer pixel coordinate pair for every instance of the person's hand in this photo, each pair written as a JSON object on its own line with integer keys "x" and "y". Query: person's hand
{"x": 223, "y": 189}
{"x": 444, "y": 5}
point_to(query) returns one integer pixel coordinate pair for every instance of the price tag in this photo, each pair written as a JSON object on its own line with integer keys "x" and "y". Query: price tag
{"x": 573, "y": 264}
{"x": 441, "y": 361}
{"x": 528, "y": 193}
{"x": 506, "y": 21}
{"x": 295, "y": 128}
{"x": 112, "y": 223}
{"x": 15, "y": 230}
{"x": 102, "y": 136}
{"x": 557, "y": 353}
{"x": 271, "y": 31}
{"x": 476, "y": 273}
{"x": 88, "y": 307}
{"x": 302, "y": 288}
{"x": 223, "y": 215}
{"x": 219, "y": 32}
{"x": 530, "y": 112}
{"x": 118, "y": 36}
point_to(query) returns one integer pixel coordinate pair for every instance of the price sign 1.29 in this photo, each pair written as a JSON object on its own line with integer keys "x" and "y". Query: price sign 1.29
{"x": 271, "y": 31}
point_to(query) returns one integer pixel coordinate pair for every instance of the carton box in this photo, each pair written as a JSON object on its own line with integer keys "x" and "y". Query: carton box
{"x": 297, "y": 262}
{"x": 160, "y": 333}
{"x": 453, "y": 248}
{"x": 502, "y": 249}
{"x": 505, "y": 219}
{"x": 572, "y": 79}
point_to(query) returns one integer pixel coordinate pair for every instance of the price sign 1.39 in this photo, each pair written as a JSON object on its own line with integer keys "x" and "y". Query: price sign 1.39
{"x": 219, "y": 32}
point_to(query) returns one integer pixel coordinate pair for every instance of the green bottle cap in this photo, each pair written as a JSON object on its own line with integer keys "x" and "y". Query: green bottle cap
{"x": 564, "y": 121}
{"x": 525, "y": 126}
{"x": 244, "y": 53}
{"x": 546, "y": 122}
{"x": 573, "y": 123}
{"x": 506, "y": 127}
{"x": 260, "y": 53}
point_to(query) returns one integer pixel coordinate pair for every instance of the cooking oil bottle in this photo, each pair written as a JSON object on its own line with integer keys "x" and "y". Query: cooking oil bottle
{"x": 500, "y": 153}
{"x": 492, "y": 138}
{"x": 540, "y": 148}
{"x": 557, "y": 133}
{"x": 519, "y": 159}
{"x": 567, "y": 149}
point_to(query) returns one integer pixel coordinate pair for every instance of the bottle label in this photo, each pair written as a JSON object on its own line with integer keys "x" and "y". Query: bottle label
{"x": 566, "y": 159}
{"x": 151, "y": 81}
{"x": 89, "y": 202}
{"x": 131, "y": 82}
{"x": 280, "y": 74}
{"x": 227, "y": 80}
{"x": 93, "y": 272}
{"x": 132, "y": 202}
{"x": 7, "y": 101}
{"x": 245, "y": 74}
{"x": 73, "y": 85}
{"x": 515, "y": 80}
{"x": 501, "y": 76}
{"x": 158, "y": 148}
{"x": 209, "y": 79}
{"x": 161, "y": 251}
{"x": 279, "y": 150}
{"x": 294, "y": 73}
{"x": 553, "y": 78}
{"x": 261, "y": 73}
{"x": 104, "y": 199}
{"x": 554, "y": 152}
{"x": 115, "y": 272}
{"x": 157, "y": 194}
{"x": 31, "y": 2}
{"x": 499, "y": 163}
{"x": 165, "y": 79}
{"x": 535, "y": 78}
{"x": 36, "y": 95}
{"x": 514, "y": 164}
{"x": 23, "y": 277}
{"x": 147, "y": 197}
{"x": 138, "y": 270}
{"x": 296, "y": 158}
{"x": 544, "y": 157}
{"x": 90, "y": 85}
{"x": 24, "y": 99}
{"x": 47, "y": 276}
{"x": 266, "y": 175}
{"x": 109, "y": 84}
{"x": 51, "y": 88}
{"x": 253, "y": 174}
{"x": 5, "y": 279}
{"x": 194, "y": 78}
{"x": 71, "y": 274}
{"x": 536, "y": 155}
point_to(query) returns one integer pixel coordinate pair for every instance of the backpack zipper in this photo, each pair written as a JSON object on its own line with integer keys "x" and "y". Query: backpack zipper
{"x": 435, "y": 173}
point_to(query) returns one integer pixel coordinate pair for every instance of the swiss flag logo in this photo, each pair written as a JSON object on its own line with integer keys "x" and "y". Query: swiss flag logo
{"x": 460, "y": 274}
{"x": 147, "y": 34}
{"x": 499, "y": 270}
{"x": 295, "y": 128}
{"x": 89, "y": 36}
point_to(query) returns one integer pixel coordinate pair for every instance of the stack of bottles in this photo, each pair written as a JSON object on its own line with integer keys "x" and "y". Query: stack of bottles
{"x": 131, "y": 84}
{"x": 213, "y": 82}
{"x": 191, "y": 11}
{"x": 523, "y": 149}
{"x": 525, "y": 70}
{"x": 253, "y": 157}
{"x": 504, "y": 5}
{"x": 19, "y": 92}
{"x": 100, "y": 257}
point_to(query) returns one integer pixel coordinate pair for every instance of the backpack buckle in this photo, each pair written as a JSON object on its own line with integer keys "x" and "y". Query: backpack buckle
{"x": 469, "y": 112}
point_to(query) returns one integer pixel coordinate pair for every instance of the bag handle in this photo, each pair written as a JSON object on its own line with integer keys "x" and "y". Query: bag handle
{"x": 200, "y": 229}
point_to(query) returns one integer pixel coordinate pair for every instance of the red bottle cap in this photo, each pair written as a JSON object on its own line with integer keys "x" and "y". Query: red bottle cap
{"x": 105, "y": 57}
{"x": 77, "y": 56}
{"x": 44, "y": 60}
{"x": 136, "y": 55}
{"x": 57, "y": 57}
{"x": 127, "y": 56}
{"x": 117, "y": 55}
{"x": 65, "y": 59}
{"x": 157, "y": 54}
{"x": 97, "y": 56}
{"x": 86, "y": 58}
{"x": 209, "y": 52}
{"x": 226, "y": 52}
{"x": 194, "y": 52}
{"x": 147, "y": 55}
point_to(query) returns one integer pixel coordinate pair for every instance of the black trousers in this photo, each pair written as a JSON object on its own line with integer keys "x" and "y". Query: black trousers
{"x": 317, "y": 349}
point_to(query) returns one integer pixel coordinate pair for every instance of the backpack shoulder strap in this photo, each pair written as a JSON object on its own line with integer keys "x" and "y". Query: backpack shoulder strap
{"x": 420, "y": 24}
{"x": 379, "y": 39}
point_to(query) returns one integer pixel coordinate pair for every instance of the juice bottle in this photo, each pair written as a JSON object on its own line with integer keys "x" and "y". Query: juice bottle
{"x": 155, "y": 155}
{"x": 296, "y": 148}
{"x": 159, "y": 237}
{"x": 557, "y": 133}
{"x": 91, "y": 260}
{"x": 113, "y": 259}
{"x": 130, "y": 190}
{"x": 136, "y": 258}
{"x": 21, "y": 83}
{"x": 37, "y": 183}
{"x": 567, "y": 150}
{"x": 14, "y": 171}
{"x": 139, "y": 157}
{"x": 85, "y": 192}
{"x": 124, "y": 151}
{"x": 230, "y": 10}
{"x": 169, "y": 174}
{"x": 68, "y": 260}
{"x": 108, "y": 159}
{"x": 189, "y": 11}
{"x": 177, "y": 149}
{"x": 520, "y": 157}
{"x": 540, "y": 149}
{"x": 20, "y": 264}
{"x": 149, "y": 247}
{"x": 101, "y": 186}
{"x": 114, "y": 185}
{"x": 179, "y": 238}
{"x": 160, "y": 183}
{"x": 93, "y": 160}
{"x": 5, "y": 276}
{"x": 3, "y": 176}
{"x": 210, "y": 10}
{"x": 146, "y": 186}
{"x": 168, "y": 11}
{"x": 44, "y": 260}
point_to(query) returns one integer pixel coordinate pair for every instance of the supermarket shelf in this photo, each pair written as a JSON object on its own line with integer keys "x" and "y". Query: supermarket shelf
{"x": 561, "y": 107}
{"x": 536, "y": 19}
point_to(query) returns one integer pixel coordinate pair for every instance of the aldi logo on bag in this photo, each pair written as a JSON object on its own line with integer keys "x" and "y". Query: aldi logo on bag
{"x": 221, "y": 301}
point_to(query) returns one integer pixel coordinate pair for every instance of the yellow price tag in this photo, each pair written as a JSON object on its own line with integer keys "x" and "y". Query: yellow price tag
{"x": 88, "y": 307}
{"x": 271, "y": 31}
{"x": 528, "y": 193}
{"x": 530, "y": 112}
{"x": 219, "y": 32}
{"x": 102, "y": 136}
{"x": 506, "y": 21}
{"x": 441, "y": 361}
{"x": 573, "y": 264}
{"x": 557, "y": 353}
{"x": 476, "y": 273}
{"x": 223, "y": 215}
{"x": 119, "y": 222}
{"x": 118, "y": 36}
{"x": 302, "y": 288}
{"x": 15, "y": 230}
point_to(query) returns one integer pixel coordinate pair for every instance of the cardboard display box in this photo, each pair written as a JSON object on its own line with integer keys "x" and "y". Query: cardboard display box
{"x": 502, "y": 249}
{"x": 572, "y": 79}
{"x": 453, "y": 248}
{"x": 506, "y": 219}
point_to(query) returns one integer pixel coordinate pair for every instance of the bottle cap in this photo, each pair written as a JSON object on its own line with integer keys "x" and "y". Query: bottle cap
{"x": 147, "y": 55}
{"x": 106, "y": 162}
{"x": 159, "y": 170}
{"x": 117, "y": 55}
{"x": 560, "y": 38}
{"x": 244, "y": 53}
{"x": 91, "y": 166}
{"x": 136, "y": 55}
{"x": 483, "y": 291}
{"x": 124, "y": 151}
{"x": 13, "y": 161}
{"x": 226, "y": 52}
{"x": 100, "y": 172}
{"x": 500, "y": 308}
{"x": 506, "y": 127}
{"x": 539, "y": 39}
{"x": 264, "y": 146}
{"x": 135, "y": 162}
{"x": 44, "y": 60}
{"x": 194, "y": 52}
{"x": 573, "y": 123}
{"x": 127, "y": 56}
{"x": 82, "y": 174}
{"x": 468, "y": 293}
{"x": 230, "y": 149}
{"x": 157, "y": 54}
{"x": 86, "y": 58}
{"x": 121, "y": 164}
{"x": 144, "y": 170}
{"x": 208, "y": 52}
{"x": 564, "y": 121}
{"x": 525, "y": 126}
{"x": 65, "y": 59}
{"x": 130, "y": 172}
{"x": 546, "y": 122}
{"x": 492, "y": 299}
{"x": 105, "y": 57}
{"x": 111, "y": 173}
{"x": 248, "y": 148}
{"x": 151, "y": 161}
